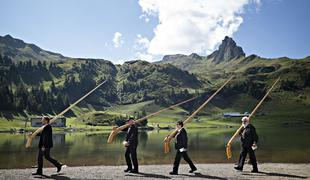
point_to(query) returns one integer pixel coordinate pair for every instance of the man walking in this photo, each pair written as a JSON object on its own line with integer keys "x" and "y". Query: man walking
{"x": 249, "y": 139}
{"x": 45, "y": 145}
{"x": 181, "y": 147}
{"x": 131, "y": 144}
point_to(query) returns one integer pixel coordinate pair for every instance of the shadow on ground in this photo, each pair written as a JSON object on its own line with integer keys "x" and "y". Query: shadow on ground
{"x": 275, "y": 174}
{"x": 53, "y": 176}
{"x": 149, "y": 175}
{"x": 199, "y": 175}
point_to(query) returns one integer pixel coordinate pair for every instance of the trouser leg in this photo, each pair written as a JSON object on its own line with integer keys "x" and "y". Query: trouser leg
{"x": 188, "y": 160}
{"x": 243, "y": 154}
{"x": 127, "y": 157}
{"x": 177, "y": 161}
{"x": 50, "y": 159}
{"x": 40, "y": 161}
{"x": 133, "y": 153}
{"x": 253, "y": 159}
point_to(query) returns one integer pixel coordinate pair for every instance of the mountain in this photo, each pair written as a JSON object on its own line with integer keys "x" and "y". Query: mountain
{"x": 21, "y": 51}
{"x": 227, "y": 51}
{"x": 30, "y": 77}
{"x": 61, "y": 79}
{"x": 184, "y": 62}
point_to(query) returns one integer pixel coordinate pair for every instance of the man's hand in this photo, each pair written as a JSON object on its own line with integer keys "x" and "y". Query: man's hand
{"x": 43, "y": 148}
{"x": 254, "y": 146}
{"x": 125, "y": 143}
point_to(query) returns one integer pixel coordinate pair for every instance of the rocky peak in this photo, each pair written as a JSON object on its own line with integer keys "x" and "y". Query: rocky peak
{"x": 195, "y": 56}
{"x": 227, "y": 51}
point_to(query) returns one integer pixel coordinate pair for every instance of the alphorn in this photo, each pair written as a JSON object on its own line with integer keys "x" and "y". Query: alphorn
{"x": 228, "y": 145}
{"x": 116, "y": 130}
{"x": 39, "y": 130}
{"x": 168, "y": 139}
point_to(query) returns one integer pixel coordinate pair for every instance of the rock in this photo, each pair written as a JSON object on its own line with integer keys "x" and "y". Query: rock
{"x": 195, "y": 56}
{"x": 228, "y": 50}
{"x": 173, "y": 57}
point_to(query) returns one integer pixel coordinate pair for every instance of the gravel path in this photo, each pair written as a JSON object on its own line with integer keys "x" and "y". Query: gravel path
{"x": 205, "y": 171}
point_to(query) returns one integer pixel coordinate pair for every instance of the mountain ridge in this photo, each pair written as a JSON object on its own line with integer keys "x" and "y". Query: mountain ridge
{"x": 27, "y": 83}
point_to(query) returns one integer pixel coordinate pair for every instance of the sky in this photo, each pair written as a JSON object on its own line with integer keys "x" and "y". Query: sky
{"x": 122, "y": 30}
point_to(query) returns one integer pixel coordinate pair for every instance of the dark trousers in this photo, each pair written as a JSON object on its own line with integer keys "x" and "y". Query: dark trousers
{"x": 46, "y": 154}
{"x": 243, "y": 154}
{"x": 131, "y": 151}
{"x": 178, "y": 159}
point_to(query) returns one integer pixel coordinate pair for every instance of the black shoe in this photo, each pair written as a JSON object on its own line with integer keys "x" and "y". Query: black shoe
{"x": 37, "y": 173}
{"x": 59, "y": 168}
{"x": 134, "y": 171}
{"x": 238, "y": 168}
{"x": 192, "y": 170}
{"x": 254, "y": 171}
{"x": 173, "y": 173}
{"x": 127, "y": 170}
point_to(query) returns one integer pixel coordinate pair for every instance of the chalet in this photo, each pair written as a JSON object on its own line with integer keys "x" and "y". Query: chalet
{"x": 235, "y": 114}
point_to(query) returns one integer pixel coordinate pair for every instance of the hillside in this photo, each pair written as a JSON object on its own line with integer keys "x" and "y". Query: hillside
{"x": 250, "y": 70}
{"x": 21, "y": 51}
{"x": 59, "y": 82}
{"x": 31, "y": 77}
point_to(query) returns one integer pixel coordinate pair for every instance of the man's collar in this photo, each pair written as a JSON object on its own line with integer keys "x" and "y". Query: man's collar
{"x": 246, "y": 125}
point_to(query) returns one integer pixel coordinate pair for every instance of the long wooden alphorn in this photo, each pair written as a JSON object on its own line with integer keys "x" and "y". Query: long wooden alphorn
{"x": 168, "y": 139}
{"x": 116, "y": 130}
{"x": 39, "y": 130}
{"x": 228, "y": 145}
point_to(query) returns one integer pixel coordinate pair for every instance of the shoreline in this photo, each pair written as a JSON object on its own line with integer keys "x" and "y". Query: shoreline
{"x": 205, "y": 171}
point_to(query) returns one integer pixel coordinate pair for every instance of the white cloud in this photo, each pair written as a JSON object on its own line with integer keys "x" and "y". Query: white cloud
{"x": 140, "y": 46}
{"x": 141, "y": 42}
{"x": 117, "y": 41}
{"x": 187, "y": 26}
{"x": 143, "y": 16}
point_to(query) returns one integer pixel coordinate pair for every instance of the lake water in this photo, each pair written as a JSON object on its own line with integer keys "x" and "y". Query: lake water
{"x": 205, "y": 146}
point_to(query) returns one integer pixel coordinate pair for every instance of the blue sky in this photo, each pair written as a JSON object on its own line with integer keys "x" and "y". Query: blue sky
{"x": 149, "y": 29}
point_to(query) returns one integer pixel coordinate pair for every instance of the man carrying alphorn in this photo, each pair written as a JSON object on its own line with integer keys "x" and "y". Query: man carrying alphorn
{"x": 45, "y": 145}
{"x": 178, "y": 131}
{"x": 248, "y": 139}
{"x": 181, "y": 148}
{"x": 131, "y": 144}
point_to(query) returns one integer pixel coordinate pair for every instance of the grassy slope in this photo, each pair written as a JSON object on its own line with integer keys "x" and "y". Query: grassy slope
{"x": 288, "y": 105}
{"x": 285, "y": 109}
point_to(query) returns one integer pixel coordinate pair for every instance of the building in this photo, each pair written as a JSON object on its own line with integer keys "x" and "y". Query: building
{"x": 37, "y": 122}
{"x": 235, "y": 114}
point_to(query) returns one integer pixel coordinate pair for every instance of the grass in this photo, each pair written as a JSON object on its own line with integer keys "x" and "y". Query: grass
{"x": 284, "y": 109}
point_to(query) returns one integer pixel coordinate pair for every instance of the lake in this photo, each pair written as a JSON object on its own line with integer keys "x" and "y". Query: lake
{"x": 206, "y": 145}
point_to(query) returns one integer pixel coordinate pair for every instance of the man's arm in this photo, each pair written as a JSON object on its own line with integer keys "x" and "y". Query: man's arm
{"x": 132, "y": 132}
{"x": 47, "y": 135}
{"x": 183, "y": 137}
{"x": 254, "y": 135}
